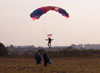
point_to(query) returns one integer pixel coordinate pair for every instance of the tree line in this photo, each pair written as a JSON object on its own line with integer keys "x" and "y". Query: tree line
{"x": 3, "y": 50}
{"x": 66, "y": 52}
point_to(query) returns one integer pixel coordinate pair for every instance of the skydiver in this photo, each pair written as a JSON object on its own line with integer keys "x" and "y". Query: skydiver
{"x": 49, "y": 41}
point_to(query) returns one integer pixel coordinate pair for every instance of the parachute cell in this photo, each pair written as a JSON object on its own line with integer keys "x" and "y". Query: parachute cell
{"x": 36, "y": 14}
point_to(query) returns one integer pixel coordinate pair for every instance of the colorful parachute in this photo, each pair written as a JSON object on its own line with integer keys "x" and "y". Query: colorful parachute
{"x": 40, "y": 11}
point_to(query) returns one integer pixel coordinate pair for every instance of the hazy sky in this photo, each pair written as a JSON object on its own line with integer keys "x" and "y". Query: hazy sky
{"x": 17, "y": 28}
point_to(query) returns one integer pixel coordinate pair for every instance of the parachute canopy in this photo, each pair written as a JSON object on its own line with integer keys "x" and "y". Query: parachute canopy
{"x": 36, "y": 14}
{"x": 49, "y": 34}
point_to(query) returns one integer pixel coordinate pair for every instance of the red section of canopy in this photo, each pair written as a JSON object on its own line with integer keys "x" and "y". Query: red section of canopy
{"x": 49, "y": 34}
{"x": 33, "y": 18}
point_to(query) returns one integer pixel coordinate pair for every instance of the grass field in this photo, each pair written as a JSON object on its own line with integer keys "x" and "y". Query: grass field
{"x": 59, "y": 65}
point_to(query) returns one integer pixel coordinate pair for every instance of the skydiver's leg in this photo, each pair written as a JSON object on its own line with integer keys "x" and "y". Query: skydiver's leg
{"x": 50, "y": 44}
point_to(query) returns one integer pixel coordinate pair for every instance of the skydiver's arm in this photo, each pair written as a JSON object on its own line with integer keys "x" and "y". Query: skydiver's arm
{"x": 52, "y": 39}
{"x": 46, "y": 39}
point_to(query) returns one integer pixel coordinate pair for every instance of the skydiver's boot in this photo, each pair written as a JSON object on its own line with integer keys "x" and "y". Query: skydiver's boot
{"x": 49, "y": 46}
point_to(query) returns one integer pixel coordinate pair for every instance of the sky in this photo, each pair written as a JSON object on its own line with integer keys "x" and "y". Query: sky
{"x": 17, "y": 28}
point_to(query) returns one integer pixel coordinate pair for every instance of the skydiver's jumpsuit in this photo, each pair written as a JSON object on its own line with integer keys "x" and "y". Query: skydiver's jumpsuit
{"x": 49, "y": 42}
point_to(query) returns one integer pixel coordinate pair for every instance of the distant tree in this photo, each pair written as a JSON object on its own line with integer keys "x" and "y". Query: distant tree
{"x": 3, "y": 50}
{"x": 40, "y": 51}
